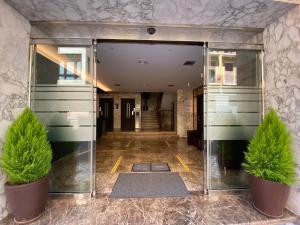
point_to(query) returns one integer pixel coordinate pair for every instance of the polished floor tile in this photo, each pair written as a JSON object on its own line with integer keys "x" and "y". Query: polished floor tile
{"x": 182, "y": 158}
{"x": 214, "y": 209}
{"x": 197, "y": 209}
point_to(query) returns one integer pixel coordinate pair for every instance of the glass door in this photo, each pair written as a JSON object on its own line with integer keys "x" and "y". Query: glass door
{"x": 63, "y": 97}
{"x": 233, "y": 111}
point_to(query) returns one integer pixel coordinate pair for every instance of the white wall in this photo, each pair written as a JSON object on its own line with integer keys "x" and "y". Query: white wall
{"x": 282, "y": 79}
{"x": 14, "y": 52}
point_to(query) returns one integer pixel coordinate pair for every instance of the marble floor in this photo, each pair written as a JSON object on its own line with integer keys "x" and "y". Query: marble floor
{"x": 196, "y": 209}
{"x": 116, "y": 155}
{"x": 71, "y": 173}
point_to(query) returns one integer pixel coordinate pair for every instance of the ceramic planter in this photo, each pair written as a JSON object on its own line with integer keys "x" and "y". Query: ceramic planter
{"x": 27, "y": 201}
{"x": 269, "y": 197}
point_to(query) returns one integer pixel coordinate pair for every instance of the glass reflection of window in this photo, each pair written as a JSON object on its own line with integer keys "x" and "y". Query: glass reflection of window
{"x": 61, "y": 69}
{"x": 71, "y": 67}
{"x": 222, "y": 68}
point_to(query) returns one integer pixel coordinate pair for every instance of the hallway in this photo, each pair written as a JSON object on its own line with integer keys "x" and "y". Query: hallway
{"x": 117, "y": 155}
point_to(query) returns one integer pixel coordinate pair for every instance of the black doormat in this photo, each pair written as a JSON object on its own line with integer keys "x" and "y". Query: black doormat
{"x": 150, "y": 167}
{"x": 149, "y": 185}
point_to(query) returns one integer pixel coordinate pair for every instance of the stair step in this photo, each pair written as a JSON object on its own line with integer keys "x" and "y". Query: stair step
{"x": 143, "y": 133}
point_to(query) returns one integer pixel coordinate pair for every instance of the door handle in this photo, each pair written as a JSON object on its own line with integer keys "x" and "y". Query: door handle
{"x": 128, "y": 110}
{"x": 132, "y": 112}
{"x": 106, "y": 110}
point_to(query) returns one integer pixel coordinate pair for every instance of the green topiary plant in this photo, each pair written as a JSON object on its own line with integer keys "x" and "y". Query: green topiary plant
{"x": 269, "y": 154}
{"x": 27, "y": 154}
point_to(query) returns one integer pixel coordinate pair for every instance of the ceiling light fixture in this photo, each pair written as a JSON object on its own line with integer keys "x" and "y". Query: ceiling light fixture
{"x": 142, "y": 61}
{"x": 189, "y": 63}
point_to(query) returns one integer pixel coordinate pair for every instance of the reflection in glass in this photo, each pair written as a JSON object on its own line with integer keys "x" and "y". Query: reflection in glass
{"x": 62, "y": 65}
{"x": 62, "y": 99}
{"x": 233, "y": 100}
{"x": 227, "y": 157}
{"x": 233, "y": 67}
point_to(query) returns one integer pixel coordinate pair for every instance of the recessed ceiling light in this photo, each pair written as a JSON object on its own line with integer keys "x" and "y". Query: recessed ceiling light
{"x": 189, "y": 63}
{"x": 142, "y": 61}
{"x": 117, "y": 85}
{"x": 171, "y": 85}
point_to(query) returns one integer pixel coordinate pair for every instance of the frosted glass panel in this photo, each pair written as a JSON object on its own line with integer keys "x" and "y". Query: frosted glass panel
{"x": 63, "y": 98}
{"x": 232, "y": 113}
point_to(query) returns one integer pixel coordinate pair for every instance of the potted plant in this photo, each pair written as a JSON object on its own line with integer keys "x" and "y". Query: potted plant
{"x": 269, "y": 161}
{"x": 26, "y": 161}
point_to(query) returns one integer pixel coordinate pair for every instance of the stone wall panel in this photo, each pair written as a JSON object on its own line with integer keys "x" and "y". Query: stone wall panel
{"x": 282, "y": 82}
{"x": 14, "y": 58}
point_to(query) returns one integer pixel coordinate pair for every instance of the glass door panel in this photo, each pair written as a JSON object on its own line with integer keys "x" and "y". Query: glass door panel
{"x": 233, "y": 112}
{"x": 62, "y": 96}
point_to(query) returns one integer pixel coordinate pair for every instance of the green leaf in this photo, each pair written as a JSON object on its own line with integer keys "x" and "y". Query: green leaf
{"x": 269, "y": 154}
{"x": 27, "y": 153}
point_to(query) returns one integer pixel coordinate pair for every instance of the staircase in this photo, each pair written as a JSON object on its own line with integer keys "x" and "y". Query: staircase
{"x": 149, "y": 121}
{"x": 140, "y": 134}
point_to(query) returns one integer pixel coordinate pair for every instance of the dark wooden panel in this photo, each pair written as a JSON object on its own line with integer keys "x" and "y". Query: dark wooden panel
{"x": 107, "y": 113}
{"x": 127, "y": 114}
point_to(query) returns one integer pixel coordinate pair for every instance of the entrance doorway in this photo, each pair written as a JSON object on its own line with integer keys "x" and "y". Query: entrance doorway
{"x": 127, "y": 114}
{"x": 152, "y": 85}
{"x": 63, "y": 95}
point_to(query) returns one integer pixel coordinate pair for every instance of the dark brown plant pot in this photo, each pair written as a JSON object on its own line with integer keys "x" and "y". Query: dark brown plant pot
{"x": 27, "y": 201}
{"x": 269, "y": 197}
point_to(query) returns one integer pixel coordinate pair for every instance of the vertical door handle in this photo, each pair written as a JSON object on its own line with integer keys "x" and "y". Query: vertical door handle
{"x": 106, "y": 110}
{"x": 128, "y": 110}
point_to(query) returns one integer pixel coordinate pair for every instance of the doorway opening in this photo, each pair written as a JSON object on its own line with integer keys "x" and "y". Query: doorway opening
{"x": 155, "y": 89}
{"x": 162, "y": 79}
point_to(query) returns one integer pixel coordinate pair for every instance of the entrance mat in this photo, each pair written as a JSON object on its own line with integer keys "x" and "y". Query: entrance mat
{"x": 141, "y": 167}
{"x": 150, "y": 167}
{"x": 160, "y": 167}
{"x": 149, "y": 185}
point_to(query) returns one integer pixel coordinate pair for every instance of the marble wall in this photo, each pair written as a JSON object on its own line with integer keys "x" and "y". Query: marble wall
{"x": 237, "y": 13}
{"x": 282, "y": 81}
{"x": 14, "y": 52}
{"x": 61, "y": 30}
{"x": 184, "y": 112}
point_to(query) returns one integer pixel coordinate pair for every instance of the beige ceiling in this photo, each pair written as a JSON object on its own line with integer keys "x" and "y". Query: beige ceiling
{"x": 163, "y": 66}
